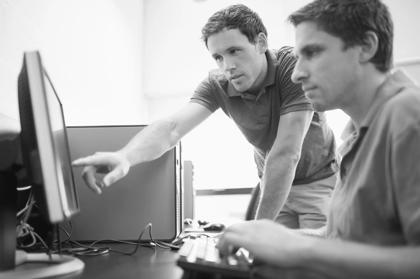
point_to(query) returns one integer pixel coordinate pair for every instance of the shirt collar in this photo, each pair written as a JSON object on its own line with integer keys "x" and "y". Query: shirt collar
{"x": 394, "y": 83}
{"x": 269, "y": 80}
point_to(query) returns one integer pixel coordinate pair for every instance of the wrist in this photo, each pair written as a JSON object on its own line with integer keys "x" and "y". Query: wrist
{"x": 124, "y": 158}
{"x": 303, "y": 255}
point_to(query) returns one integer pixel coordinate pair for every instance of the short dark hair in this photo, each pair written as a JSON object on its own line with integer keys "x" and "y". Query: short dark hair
{"x": 234, "y": 17}
{"x": 349, "y": 20}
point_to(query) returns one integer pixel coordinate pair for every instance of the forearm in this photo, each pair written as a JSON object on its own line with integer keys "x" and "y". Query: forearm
{"x": 319, "y": 232}
{"x": 275, "y": 186}
{"x": 151, "y": 143}
{"x": 339, "y": 259}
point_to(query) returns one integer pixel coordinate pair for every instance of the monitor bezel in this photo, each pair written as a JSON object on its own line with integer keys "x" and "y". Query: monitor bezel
{"x": 54, "y": 192}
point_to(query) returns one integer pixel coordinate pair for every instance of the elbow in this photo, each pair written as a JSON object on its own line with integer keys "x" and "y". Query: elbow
{"x": 171, "y": 134}
{"x": 174, "y": 138}
{"x": 294, "y": 158}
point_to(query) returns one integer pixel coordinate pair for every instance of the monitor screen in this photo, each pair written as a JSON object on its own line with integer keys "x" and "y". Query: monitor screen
{"x": 45, "y": 148}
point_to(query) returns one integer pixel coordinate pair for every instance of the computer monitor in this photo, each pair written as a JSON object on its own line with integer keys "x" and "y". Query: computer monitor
{"x": 46, "y": 160}
{"x": 45, "y": 148}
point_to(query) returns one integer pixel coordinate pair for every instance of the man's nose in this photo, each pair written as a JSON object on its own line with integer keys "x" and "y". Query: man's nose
{"x": 229, "y": 65}
{"x": 298, "y": 73}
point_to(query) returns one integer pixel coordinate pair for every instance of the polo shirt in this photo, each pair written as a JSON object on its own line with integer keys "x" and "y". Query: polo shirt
{"x": 257, "y": 115}
{"x": 377, "y": 196}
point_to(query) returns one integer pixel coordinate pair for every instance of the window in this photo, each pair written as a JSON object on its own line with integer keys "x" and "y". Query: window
{"x": 223, "y": 159}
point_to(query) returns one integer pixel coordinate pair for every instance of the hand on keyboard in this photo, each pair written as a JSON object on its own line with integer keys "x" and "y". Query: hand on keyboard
{"x": 201, "y": 255}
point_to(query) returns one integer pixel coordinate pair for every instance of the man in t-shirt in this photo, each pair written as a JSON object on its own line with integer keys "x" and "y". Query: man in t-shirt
{"x": 293, "y": 145}
{"x": 344, "y": 54}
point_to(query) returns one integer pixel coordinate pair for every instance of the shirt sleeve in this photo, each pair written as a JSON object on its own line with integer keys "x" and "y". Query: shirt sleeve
{"x": 203, "y": 95}
{"x": 406, "y": 174}
{"x": 292, "y": 96}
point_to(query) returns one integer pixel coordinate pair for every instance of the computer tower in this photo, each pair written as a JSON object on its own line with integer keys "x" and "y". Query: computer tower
{"x": 150, "y": 193}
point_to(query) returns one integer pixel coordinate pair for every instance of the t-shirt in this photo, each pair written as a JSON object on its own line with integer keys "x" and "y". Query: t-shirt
{"x": 258, "y": 115}
{"x": 377, "y": 196}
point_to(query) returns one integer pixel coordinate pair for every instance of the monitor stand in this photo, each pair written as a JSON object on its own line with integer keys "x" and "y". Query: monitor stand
{"x": 19, "y": 264}
{"x": 42, "y": 265}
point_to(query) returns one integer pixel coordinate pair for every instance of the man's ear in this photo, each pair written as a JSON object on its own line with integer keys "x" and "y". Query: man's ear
{"x": 261, "y": 43}
{"x": 369, "y": 47}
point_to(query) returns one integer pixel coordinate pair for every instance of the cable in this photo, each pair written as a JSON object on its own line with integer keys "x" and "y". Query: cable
{"x": 160, "y": 244}
{"x": 80, "y": 249}
{"x": 149, "y": 225}
{"x": 24, "y": 230}
{"x": 57, "y": 231}
{"x": 28, "y": 206}
{"x": 91, "y": 249}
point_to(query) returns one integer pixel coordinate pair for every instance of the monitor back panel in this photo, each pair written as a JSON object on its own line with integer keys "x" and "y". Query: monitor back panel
{"x": 148, "y": 194}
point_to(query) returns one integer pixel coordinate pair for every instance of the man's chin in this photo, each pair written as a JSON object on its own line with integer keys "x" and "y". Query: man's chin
{"x": 240, "y": 89}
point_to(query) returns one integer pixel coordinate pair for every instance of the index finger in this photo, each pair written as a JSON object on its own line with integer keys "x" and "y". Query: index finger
{"x": 88, "y": 175}
{"x": 85, "y": 161}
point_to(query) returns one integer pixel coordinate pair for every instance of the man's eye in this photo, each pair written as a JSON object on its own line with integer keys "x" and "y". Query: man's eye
{"x": 218, "y": 59}
{"x": 233, "y": 51}
{"x": 311, "y": 53}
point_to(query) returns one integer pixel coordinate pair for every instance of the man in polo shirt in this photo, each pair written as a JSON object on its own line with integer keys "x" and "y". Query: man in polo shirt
{"x": 344, "y": 61}
{"x": 293, "y": 145}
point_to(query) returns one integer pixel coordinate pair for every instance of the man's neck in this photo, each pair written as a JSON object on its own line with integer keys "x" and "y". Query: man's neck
{"x": 258, "y": 84}
{"x": 363, "y": 96}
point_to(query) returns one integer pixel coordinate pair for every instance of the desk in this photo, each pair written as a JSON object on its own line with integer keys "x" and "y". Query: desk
{"x": 150, "y": 263}
{"x": 147, "y": 263}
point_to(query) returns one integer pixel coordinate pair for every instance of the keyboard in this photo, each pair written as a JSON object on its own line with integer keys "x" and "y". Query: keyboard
{"x": 200, "y": 256}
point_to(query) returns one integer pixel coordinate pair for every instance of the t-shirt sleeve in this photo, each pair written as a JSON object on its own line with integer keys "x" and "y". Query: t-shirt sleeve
{"x": 406, "y": 174}
{"x": 292, "y": 95}
{"x": 203, "y": 95}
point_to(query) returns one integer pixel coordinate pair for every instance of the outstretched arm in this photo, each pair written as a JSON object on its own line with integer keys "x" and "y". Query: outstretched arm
{"x": 149, "y": 144}
{"x": 160, "y": 136}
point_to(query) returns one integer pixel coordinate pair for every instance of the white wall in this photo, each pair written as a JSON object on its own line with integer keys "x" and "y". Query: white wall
{"x": 131, "y": 61}
{"x": 91, "y": 49}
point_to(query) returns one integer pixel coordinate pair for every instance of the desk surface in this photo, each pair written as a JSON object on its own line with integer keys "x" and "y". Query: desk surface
{"x": 153, "y": 263}
{"x": 147, "y": 263}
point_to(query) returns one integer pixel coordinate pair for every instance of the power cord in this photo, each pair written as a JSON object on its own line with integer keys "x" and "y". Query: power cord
{"x": 25, "y": 231}
{"x": 91, "y": 249}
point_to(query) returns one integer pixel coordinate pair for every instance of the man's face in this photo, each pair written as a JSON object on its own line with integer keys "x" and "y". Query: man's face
{"x": 241, "y": 61}
{"x": 328, "y": 72}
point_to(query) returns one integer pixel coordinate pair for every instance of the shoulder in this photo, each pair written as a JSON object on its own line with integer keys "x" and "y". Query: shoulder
{"x": 214, "y": 82}
{"x": 218, "y": 78}
{"x": 284, "y": 56}
{"x": 283, "y": 60}
{"x": 405, "y": 103}
{"x": 403, "y": 111}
